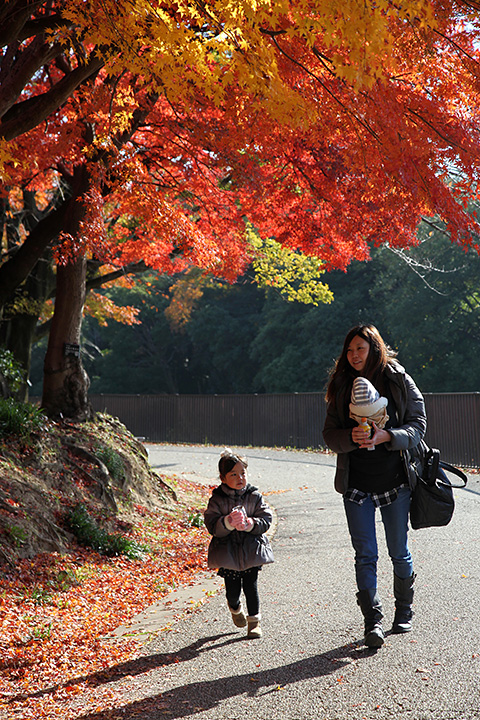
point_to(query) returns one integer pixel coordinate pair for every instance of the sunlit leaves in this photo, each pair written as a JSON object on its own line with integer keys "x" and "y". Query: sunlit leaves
{"x": 330, "y": 126}
{"x": 196, "y": 43}
{"x": 185, "y": 293}
{"x": 104, "y": 309}
{"x": 295, "y": 275}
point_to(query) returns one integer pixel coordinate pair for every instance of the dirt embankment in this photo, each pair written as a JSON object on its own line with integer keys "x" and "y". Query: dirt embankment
{"x": 98, "y": 465}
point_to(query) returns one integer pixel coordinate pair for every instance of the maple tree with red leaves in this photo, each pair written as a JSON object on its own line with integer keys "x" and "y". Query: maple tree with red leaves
{"x": 144, "y": 133}
{"x": 155, "y": 131}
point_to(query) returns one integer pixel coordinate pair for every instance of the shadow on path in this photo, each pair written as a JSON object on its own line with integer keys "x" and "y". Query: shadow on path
{"x": 188, "y": 699}
{"x": 138, "y": 666}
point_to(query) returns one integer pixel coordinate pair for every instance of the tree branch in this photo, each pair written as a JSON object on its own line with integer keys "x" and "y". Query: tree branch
{"x": 19, "y": 68}
{"x": 101, "y": 280}
{"x": 349, "y": 112}
{"x": 14, "y": 271}
{"x": 435, "y": 130}
{"x": 26, "y": 115}
{"x": 417, "y": 267}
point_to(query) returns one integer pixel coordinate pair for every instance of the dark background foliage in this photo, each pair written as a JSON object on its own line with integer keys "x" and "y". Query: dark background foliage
{"x": 242, "y": 339}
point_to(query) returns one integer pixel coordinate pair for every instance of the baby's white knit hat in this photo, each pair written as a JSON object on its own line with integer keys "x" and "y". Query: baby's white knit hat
{"x": 365, "y": 398}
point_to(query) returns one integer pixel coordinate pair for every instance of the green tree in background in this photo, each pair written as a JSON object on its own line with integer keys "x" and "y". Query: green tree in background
{"x": 207, "y": 355}
{"x": 221, "y": 333}
{"x": 148, "y": 355}
{"x": 240, "y": 338}
{"x": 431, "y": 308}
{"x": 297, "y": 344}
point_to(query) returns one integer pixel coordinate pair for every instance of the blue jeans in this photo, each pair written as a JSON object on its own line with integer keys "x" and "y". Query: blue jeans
{"x": 361, "y": 525}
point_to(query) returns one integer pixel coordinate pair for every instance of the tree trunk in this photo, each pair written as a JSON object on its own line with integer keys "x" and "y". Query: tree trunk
{"x": 18, "y": 330}
{"x": 21, "y": 334}
{"x": 65, "y": 382}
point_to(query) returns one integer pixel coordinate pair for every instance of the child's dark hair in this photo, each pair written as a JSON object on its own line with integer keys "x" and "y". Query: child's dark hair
{"x": 228, "y": 460}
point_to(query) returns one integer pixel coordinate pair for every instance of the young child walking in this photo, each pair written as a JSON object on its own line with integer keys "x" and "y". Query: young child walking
{"x": 238, "y": 517}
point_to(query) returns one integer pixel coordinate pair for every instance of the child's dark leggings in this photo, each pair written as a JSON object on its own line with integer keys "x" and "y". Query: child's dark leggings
{"x": 247, "y": 581}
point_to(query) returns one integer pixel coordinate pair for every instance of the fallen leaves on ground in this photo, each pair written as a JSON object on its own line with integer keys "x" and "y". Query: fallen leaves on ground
{"x": 57, "y": 610}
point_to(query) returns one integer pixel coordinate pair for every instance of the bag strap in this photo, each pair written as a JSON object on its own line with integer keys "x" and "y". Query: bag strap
{"x": 430, "y": 465}
{"x": 455, "y": 471}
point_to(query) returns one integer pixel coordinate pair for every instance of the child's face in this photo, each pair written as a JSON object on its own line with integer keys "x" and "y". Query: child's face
{"x": 236, "y": 479}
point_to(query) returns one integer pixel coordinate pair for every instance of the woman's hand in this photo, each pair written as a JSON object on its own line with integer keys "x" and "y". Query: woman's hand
{"x": 363, "y": 439}
{"x": 360, "y": 435}
{"x": 379, "y": 436}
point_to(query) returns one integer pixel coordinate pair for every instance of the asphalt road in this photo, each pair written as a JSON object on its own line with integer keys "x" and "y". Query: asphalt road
{"x": 310, "y": 662}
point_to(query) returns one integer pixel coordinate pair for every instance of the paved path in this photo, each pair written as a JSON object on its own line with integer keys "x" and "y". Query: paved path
{"x": 310, "y": 662}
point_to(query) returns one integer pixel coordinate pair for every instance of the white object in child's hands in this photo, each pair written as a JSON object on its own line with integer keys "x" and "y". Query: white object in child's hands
{"x": 238, "y": 518}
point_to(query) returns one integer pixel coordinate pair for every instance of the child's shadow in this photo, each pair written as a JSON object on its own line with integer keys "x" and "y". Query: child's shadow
{"x": 138, "y": 666}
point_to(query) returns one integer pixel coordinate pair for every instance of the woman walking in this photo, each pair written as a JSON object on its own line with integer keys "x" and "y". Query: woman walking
{"x": 371, "y": 480}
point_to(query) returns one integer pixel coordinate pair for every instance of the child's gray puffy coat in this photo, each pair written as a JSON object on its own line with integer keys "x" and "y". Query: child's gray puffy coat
{"x": 235, "y": 549}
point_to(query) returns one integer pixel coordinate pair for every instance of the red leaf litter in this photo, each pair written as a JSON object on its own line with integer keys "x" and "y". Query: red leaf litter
{"x": 56, "y": 612}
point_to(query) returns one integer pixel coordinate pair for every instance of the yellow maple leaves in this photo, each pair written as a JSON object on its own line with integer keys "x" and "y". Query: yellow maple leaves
{"x": 295, "y": 275}
{"x": 177, "y": 46}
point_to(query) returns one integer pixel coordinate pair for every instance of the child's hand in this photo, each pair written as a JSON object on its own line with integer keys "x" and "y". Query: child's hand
{"x": 237, "y": 519}
{"x": 246, "y": 525}
{"x": 249, "y": 523}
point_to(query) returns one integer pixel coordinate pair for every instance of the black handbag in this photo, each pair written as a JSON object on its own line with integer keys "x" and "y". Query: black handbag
{"x": 432, "y": 503}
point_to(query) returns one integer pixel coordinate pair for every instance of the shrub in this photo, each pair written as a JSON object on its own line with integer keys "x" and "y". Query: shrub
{"x": 195, "y": 519}
{"x": 11, "y": 370}
{"x": 112, "y": 461}
{"x": 88, "y": 533}
{"x": 21, "y": 419}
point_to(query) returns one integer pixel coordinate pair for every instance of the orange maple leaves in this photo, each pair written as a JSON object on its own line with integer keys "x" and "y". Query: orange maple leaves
{"x": 326, "y": 163}
{"x": 56, "y": 613}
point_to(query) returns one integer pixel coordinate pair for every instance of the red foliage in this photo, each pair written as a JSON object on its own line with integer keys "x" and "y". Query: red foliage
{"x": 320, "y": 163}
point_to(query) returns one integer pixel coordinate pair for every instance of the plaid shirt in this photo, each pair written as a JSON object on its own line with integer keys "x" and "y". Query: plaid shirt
{"x": 378, "y": 499}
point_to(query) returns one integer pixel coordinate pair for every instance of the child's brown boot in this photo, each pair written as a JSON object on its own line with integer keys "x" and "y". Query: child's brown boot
{"x": 254, "y": 630}
{"x": 238, "y": 616}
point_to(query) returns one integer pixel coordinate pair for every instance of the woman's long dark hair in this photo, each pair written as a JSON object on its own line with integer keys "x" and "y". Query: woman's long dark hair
{"x": 379, "y": 356}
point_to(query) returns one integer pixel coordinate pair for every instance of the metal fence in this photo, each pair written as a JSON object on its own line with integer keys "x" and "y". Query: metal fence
{"x": 283, "y": 420}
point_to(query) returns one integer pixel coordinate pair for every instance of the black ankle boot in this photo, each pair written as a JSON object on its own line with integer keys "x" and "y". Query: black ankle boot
{"x": 403, "y": 591}
{"x": 371, "y": 608}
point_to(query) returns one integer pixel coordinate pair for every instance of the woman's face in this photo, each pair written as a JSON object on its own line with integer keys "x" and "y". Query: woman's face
{"x": 236, "y": 479}
{"x": 357, "y": 353}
